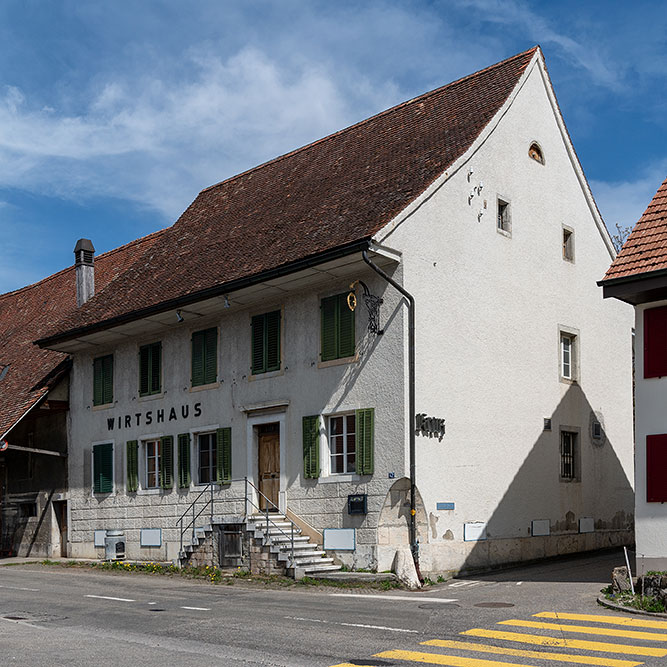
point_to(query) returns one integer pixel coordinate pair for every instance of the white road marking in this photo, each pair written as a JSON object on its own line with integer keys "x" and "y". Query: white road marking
{"x": 152, "y": 603}
{"x": 518, "y": 583}
{"x": 197, "y": 608}
{"x": 18, "y": 588}
{"x": 468, "y": 584}
{"x": 106, "y": 597}
{"x": 350, "y": 625}
{"x": 405, "y": 598}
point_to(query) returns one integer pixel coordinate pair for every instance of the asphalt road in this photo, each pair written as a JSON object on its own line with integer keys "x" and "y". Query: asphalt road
{"x": 55, "y": 616}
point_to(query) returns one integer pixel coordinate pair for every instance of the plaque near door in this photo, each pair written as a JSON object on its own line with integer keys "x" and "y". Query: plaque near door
{"x": 268, "y": 437}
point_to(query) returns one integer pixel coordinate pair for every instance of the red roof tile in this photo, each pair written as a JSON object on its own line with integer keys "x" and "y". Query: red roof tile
{"x": 28, "y": 312}
{"x": 334, "y": 192}
{"x": 645, "y": 250}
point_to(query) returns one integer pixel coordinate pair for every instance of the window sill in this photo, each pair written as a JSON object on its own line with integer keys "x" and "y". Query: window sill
{"x": 504, "y": 232}
{"x": 343, "y": 478}
{"x": 150, "y": 492}
{"x": 567, "y": 381}
{"x": 267, "y": 375}
{"x": 204, "y": 387}
{"x": 150, "y": 397}
{"x": 338, "y": 362}
{"x": 106, "y": 406}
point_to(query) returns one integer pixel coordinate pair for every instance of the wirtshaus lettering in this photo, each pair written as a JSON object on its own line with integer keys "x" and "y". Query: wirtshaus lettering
{"x": 147, "y": 418}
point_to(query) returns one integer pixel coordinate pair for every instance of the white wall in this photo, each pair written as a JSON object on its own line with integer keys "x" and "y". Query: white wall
{"x": 489, "y": 308}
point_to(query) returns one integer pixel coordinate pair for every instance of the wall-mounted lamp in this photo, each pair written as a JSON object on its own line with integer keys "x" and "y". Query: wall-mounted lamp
{"x": 179, "y": 317}
{"x": 471, "y": 171}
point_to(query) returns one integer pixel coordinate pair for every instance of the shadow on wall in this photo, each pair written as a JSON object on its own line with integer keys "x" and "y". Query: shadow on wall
{"x": 570, "y": 494}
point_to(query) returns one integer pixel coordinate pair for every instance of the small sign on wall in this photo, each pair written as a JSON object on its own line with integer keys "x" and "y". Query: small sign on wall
{"x": 151, "y": 537}
{"x": 586, "y": 524}
{"x": 540, "y": 527}
{"x": 474, "y": 532}
{"x": 339, "y": 539}
{"x": 444, "y": 506}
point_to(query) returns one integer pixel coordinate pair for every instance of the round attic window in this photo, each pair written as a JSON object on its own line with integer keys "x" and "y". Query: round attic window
{"x": 535, "y": 152}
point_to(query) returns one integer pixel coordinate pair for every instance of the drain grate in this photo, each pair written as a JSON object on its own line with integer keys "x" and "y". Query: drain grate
{"x": 494, "y": 605}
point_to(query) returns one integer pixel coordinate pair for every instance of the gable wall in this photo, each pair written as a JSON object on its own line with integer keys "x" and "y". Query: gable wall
{"x": 489, "y": 309}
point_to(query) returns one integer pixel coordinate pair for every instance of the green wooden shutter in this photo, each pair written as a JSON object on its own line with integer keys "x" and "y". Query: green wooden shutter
{"x": 103, "y": 468}
{"x": 132, "y": 456}
{"x": 364, "y": 440}
{"x": 107, "y": 365}
{"x": 156, "y": 368}
{"x": 184, "y": 461}
{"x": 223, "y": 455}
{"x": 346, "y": 340}
{"x": 258, "y": 356}
{"x": 272, "y": 326}
{"x": 329, "y": 329}
{"x": 167, "y": 462}
{"x": 197, "y": 358}
{"x": 98, "y": 382}
{"x": 311, "y": 446}
{"x": 144, "y": 370}
{"x": 210, "y": 355}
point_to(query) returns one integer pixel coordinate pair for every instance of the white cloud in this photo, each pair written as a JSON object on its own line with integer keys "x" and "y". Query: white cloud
{"x": 158, "y": 142}
{"x": 624, "y": 202}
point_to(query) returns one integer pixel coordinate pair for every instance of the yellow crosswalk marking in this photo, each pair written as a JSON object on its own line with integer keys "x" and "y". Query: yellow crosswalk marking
{"x": 539, "y": 640}
{"x": 345, "y": 664}
{"x": 613, "y": 620}
{"x": 540, "y": 655}
{"x": 450, "y": 660}
{"x": 587, "y": 630}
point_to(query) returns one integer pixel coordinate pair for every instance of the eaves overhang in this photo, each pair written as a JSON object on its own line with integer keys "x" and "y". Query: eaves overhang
{"x": 220, "y": 290}
{"x": 637, "y": 288}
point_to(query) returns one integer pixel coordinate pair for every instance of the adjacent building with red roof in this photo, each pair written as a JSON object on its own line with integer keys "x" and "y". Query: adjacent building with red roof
{"x": 390, "y": 338}
{"x": 638, "y": 276}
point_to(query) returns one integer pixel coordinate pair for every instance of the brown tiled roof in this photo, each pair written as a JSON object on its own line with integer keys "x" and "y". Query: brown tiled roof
{"x": 28, "y": 312}
{"x": 334, "y": 192}
{"x": 645, "y": 250}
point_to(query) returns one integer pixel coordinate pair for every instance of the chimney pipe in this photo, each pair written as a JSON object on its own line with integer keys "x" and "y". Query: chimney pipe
{"x": 84, "y": 255}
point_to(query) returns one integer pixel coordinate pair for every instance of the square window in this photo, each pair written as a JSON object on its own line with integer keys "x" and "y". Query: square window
{"x": 503, "y": 219}
{"x": 342, "y": 444}
{"x": 207, "y": 457}
{"x": 568, "y": 244}
{"x": 568, "y": 455}
{"x": 337, "y": 328}
{"x": 103, "y": 380}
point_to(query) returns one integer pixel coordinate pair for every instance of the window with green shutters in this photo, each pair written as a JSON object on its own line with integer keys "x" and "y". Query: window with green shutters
{"x": 337, "y": 328}
{"x": 351, "y": 442}
{"x": 204, "y": 357}
{"x": 184, "y": 475}
{"x": 103, "y": 468}
{"x": 266, "y": 342}
{"x": 224, "y": 455}
{"x": 132, "y": 459}
{"x": 150, "y": 369}
{"x": 311, "y": 447}
{"x": 103, "y": 380}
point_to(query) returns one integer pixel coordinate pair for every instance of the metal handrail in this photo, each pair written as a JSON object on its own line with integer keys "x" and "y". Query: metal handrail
{"x": 191, "y": 509}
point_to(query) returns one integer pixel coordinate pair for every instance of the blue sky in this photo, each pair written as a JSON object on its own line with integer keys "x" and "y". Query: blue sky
{"x": 113, "y": 115}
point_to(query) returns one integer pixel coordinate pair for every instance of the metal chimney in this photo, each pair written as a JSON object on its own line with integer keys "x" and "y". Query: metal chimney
{"x": 84, "y": 255}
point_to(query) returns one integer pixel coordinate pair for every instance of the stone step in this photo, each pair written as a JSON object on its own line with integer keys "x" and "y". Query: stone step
{"x": 321, "y": 568}
{"x": 287, "y": 539}
{"x": 316, "y": 560}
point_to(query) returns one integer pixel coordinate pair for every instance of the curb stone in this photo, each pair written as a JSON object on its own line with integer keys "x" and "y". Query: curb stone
{"x": 603, "y": 602}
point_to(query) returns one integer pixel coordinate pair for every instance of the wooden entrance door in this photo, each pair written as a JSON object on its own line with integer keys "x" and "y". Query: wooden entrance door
{"x": 268, "y": 436}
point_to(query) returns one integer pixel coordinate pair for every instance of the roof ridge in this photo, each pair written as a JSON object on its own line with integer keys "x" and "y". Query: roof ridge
{"x": 369, "y": 119}
{"x": 52, "y": 276}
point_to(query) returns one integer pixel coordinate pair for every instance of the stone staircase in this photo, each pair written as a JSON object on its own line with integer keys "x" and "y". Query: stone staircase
{"x": 273, "y": 546}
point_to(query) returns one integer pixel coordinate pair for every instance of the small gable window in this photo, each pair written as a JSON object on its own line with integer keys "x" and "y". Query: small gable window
{"x": 535, "y": 152}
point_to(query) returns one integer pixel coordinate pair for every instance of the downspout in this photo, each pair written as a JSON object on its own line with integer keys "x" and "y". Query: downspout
{"x": 414, "y": 545}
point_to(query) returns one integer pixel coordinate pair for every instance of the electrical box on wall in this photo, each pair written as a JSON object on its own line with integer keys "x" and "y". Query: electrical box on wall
{"x": 357, "y": 504}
